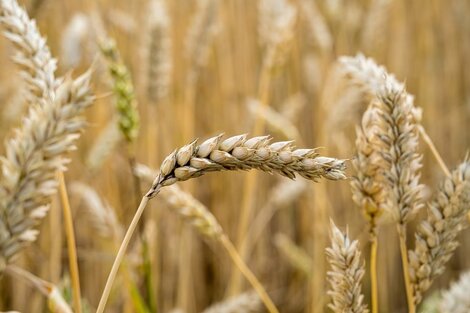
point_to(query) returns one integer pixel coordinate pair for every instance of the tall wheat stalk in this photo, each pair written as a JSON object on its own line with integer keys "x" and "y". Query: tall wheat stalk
{"x": 275, "y": 29}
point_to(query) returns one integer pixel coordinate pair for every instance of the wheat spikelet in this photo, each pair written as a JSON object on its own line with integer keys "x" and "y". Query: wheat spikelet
{"x": 158, "y": 51}
{"x": 397, "y": 144}
{"x": 32, "y": 158}
{"x": 33, "y": 55}
{"x": 238, "y": 153}
{"x": 202, "y": 31}
{"x": 102, "y": 217}
{"x": 74, "y": 37}
{"x": 347, "y": 270}
{"x": 456, "y": 300}
{"x": 436, "y": 236}
{"x": 248, "y": 302}
{"x": 365, "y": 184}
{"x": 104, "y": 145}
{"x": 371, "y": 77}
{"x": 124, "y": 91}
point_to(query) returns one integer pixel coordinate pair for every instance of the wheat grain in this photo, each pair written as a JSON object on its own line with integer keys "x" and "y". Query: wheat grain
{"x": 32, "y": 158}
{"x": 456, "y": 300}
{"x": 436, "y": 236}
{"x": 347, "y": 270}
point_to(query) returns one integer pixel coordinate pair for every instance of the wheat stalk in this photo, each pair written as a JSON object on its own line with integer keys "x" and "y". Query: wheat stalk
{"x": 234, "y": 153}
{"x": 198, "y": 215}
{"x": 436, "y": 236}
{"x": 347, "y": 270}
{"x": 456, "y": 300}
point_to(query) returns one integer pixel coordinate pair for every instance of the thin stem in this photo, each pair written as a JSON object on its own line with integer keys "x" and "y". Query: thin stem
{"x": 434, "y": 151}
{"x": 406, "y": 275}
{"x": 248, "y": 274}
{"x": 120, "y": 254}
{"x": 373, "y": 275}
{"x": 251, "y": 179}
{"x": 71, "y": 245}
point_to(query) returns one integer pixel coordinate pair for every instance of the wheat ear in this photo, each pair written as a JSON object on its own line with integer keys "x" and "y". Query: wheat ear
{"x": 234, "y": 153}
{"x": 369, "y": 75}
{"x": 123, "y": 89}
{"x": 37, "y": 69}
{"x": 248, "y": 302}
{"x": 367, "y": 192}
{"x": 456, "y": 300}
{"x": 347, "y": 270}
{"x": 436, "y": 236}
{"x": 240, "y": 153}
{"x": 33, "y": 55}
{"x": 158, "y": 52}
{"x": 33, "y": 156}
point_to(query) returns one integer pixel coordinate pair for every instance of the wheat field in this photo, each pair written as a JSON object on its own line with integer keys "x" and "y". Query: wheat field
{"x": 225, "y": 156}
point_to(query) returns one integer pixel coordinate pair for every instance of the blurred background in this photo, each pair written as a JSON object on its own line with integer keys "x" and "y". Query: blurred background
{"x": 204, "y": 67}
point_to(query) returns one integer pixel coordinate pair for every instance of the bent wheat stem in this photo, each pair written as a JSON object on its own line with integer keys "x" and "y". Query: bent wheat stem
{"x": 71, "y": 246}
{"x": 433, "y": 149}
{"x": 248, "y": 274}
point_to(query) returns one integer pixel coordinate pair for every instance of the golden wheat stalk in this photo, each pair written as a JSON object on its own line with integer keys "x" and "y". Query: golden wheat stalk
{"x": 198, "y": 215}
